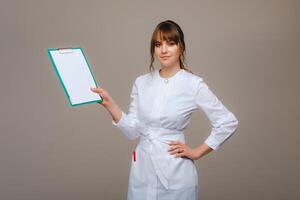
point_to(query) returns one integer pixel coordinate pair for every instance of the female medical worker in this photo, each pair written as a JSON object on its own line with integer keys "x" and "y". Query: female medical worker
{"x": 162, "y": 102}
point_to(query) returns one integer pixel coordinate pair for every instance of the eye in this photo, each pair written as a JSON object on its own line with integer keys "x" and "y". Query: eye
{"x": 157, "y": 44}
{"x": 171, "y": 43}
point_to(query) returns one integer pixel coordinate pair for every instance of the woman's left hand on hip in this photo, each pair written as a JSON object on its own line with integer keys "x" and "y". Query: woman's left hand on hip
{"x": 180, "y": 149}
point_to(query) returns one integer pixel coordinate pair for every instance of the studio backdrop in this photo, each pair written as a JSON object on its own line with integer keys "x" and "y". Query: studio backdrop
{"x": 247, "y": 52}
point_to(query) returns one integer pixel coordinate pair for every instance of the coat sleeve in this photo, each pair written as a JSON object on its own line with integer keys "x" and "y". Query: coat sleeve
{"x": 223, "y": 122}
{"x": 128, "y": 122}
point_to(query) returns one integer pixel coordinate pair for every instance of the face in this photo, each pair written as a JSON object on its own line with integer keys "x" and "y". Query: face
{"x": 167, "y": 53}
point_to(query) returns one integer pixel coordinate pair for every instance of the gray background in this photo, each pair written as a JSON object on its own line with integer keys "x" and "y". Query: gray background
{"x": 247, "y": 51}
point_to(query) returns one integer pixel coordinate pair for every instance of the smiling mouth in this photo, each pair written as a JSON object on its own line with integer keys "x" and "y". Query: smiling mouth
{"x": 165, "y": 57}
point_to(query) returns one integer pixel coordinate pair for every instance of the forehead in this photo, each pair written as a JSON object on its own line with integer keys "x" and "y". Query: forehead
{"x": 165, "y": 36}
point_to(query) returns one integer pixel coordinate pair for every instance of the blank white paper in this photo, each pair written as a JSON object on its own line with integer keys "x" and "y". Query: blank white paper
{"x": 75, "y": 74}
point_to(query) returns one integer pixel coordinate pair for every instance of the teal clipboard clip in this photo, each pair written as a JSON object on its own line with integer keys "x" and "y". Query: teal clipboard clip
{"x": 66, "y": 50}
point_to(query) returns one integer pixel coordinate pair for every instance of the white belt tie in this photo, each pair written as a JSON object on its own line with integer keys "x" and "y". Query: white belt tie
{"x": 155, "y": 141}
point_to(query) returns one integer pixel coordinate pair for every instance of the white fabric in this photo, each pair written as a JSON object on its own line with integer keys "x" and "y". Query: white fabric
{"x": 159, "y": 112}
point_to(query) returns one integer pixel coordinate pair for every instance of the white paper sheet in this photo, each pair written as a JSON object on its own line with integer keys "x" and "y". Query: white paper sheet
{"x": 75, "y": 74}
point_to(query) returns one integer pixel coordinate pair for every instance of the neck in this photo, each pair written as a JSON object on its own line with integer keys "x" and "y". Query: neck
{"x": 167, "y": 72}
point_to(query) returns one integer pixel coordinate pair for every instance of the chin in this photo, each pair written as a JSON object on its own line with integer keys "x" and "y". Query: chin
{"x": 166, "y": 65}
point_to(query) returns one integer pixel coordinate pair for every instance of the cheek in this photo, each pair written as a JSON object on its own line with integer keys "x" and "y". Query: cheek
{"x": 176, "y": 55}
{"x": 175, "y": 51}
{"x": 156, "y": 52}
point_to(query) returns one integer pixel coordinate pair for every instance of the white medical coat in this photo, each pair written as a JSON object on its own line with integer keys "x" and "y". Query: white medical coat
{"x": 159, "y": 111}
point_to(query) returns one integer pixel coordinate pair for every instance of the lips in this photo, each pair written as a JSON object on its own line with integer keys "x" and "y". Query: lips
{"x": 165, "y": 57}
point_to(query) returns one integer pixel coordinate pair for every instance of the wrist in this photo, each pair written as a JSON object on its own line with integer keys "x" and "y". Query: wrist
{"x": 198, "y": 154}
{"x": 202, "y": 150}
{"x": 111, "y": 106}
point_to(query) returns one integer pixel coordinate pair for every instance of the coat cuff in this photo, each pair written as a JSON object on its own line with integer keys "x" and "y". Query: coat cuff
{"x": 212, "y": 142}
{"x": 121, "y": 121}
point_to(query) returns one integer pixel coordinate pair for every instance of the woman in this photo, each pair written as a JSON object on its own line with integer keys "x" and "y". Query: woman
{"x": 162, "y": 103}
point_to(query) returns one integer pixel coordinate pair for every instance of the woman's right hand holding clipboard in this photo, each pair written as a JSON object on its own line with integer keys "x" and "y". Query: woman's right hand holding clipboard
{"x": 108, "y": 103}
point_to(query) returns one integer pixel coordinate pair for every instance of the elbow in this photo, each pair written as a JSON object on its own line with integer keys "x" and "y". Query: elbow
{"x": 132, "y": 136}
{"x": 236, "y": 124}
{"x": 231, "y": 127}
{"x": 222, "y": 134}
{"x": 233, "y": 122}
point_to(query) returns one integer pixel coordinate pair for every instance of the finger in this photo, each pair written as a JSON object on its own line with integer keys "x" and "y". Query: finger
{"x": 173, "y": 149}
{"x": 173, "y": 152}
{"x": 180, "y": 155}
{"x": 174, "y": 142}
{"x": 176, "y": 151}
{"x": 97, "y": 90}
{"x": 94, "y": 90}
{"x": 174, "y": 146}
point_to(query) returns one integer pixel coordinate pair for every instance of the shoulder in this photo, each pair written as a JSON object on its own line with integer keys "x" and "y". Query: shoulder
{"x": 194, "y": 83}
{"x": 193, "y": 80}
{"x": 144, "y": 78}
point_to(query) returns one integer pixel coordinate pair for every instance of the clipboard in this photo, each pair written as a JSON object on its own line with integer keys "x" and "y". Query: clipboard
{"x": 74, "y": 74}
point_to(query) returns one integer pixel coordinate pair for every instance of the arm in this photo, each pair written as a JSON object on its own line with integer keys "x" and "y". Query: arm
{"x": 109, "y": 104}
{"x": 126, "y": 122}
{"x": 222, "y": 120}
{"x": 183, "y": 150}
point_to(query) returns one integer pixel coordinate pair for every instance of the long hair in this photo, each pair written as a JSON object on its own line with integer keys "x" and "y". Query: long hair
{"x": 169, "y": 31}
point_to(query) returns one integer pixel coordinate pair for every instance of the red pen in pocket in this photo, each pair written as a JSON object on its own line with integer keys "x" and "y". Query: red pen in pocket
{"x": 134, "y": 156}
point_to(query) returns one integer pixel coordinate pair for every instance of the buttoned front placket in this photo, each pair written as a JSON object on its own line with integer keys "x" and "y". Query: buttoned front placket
{"x": 164, "y": 86}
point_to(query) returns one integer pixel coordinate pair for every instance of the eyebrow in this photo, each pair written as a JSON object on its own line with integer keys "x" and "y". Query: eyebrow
{"x": 156, "y": 41}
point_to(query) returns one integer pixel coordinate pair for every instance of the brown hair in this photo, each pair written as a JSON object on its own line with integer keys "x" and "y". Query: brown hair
{"x": 170, "y": 31}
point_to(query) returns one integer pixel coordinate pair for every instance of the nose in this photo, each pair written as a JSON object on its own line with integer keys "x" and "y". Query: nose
{"x": 164, "y": 48}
